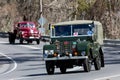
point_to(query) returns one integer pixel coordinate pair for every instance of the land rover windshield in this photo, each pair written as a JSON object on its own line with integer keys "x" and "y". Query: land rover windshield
{"x": 72, "y": 30}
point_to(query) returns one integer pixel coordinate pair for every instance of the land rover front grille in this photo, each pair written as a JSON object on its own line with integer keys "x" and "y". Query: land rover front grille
{"x": 63, "y": 47}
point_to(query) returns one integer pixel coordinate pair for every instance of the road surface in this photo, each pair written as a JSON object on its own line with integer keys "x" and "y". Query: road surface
{"x": 25, "y": 62}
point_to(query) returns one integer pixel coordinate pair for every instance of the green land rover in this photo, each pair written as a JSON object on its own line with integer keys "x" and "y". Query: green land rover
{"x": 74, "y": 43}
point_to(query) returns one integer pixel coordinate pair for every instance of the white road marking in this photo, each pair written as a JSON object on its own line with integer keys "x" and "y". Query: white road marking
{"x": 15, "y": 64}
{"x": 28, "y": 46}
{"x": 3, "y": 42}
{"x": 20, "y": 78}
{"x": 108, "y": 77}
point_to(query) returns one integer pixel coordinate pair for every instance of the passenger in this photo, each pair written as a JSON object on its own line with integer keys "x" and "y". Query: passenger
{"x": 90, "y": 32}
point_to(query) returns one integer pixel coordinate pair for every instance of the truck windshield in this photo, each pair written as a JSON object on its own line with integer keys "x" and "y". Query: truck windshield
{"x": 72, "y": 30}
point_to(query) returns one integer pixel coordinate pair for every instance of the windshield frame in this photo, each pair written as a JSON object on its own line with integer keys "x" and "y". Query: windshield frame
{"x": 88, "y": 26}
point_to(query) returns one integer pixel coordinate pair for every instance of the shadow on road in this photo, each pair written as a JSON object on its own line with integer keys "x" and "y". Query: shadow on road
{"x": 56, "y": 73}
{"x": 26, "y": 57}
{"x": 4, "y": 60}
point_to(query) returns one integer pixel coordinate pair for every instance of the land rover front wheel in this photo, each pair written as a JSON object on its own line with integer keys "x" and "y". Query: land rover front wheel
{"x": 50, "y": 67}
{"x": 97, "y": 63}
{"x": 102, "y": 57}
{"x": 102, "y": 61}
{"x": 86, "y": 65}
{"x": 63, "y": 69}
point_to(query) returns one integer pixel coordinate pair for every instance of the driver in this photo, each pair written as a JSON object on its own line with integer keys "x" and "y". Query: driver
{"x": 60, "y": 31}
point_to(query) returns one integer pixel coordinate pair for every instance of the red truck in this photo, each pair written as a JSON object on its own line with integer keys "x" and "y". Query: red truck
{"x": 25, "y": 31}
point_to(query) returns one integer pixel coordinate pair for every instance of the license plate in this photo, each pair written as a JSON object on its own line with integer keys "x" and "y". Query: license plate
{"x": 31, "y": 37}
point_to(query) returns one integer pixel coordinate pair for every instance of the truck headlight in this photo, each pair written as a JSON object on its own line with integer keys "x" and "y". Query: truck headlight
{"x": 36, "y": 32}
{"x": 31, "y": 31}
{"x": 22, "y": 32}
{"x": 83, "y": 53}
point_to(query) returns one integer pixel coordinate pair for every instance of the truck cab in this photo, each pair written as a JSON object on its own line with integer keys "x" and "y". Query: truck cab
{"x": 25, "y": 31}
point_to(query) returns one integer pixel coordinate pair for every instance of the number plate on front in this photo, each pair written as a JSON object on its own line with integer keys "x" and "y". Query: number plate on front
{"x": 31, "y": 37}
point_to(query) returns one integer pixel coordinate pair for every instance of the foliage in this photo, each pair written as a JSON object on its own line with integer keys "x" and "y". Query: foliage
{"x": 105, "y": 11}
{"x": 82, "y": 6}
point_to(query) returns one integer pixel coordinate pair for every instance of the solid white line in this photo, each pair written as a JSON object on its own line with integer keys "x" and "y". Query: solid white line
{"x": 20, "y": 78}
{"x": 15, "y": 64}
{"x": 3, "y": 42}
{"x": 108, "y": 77}
{"x": 28, "y": 46}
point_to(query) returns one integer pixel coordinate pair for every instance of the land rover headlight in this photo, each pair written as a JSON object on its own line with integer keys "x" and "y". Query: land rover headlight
{"x": 83, "y": 53}
{"x": 48, "y": 52}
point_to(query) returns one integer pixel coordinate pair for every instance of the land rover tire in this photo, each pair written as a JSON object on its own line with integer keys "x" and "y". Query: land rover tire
{"x": 102, "y": 58}
{"x": 102, "y": 61}
{"x": 50, "y": 67}
{"x": 63, "y": 69}
{"x": 97, "y": 63}
{"x": 87, "y": 65}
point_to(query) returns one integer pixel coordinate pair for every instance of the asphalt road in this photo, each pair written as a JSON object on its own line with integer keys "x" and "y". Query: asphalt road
{"x": 25, "y": 62}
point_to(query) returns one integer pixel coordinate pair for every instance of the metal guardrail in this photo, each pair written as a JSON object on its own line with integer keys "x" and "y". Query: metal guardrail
{"x": 108, "y": 42}
{"x": 4, "y": 34}
{"x": 111, "y": 43}
{"x": 45, "y": 38}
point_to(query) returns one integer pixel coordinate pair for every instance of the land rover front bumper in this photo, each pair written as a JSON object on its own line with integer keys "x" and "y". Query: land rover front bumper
{"x": 65, "y": 58}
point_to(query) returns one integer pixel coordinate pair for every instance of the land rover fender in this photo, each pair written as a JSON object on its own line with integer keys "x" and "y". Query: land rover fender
{"x": 83, "y": 47}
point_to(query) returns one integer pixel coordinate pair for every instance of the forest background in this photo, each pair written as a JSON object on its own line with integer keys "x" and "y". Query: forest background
{"x": 105, "y": 11}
